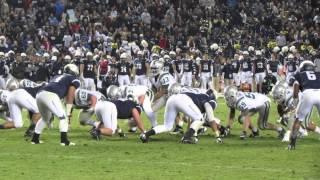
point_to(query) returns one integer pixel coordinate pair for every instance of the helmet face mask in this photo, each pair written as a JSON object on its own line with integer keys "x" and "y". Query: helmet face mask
{"x": 306, "y": 66}
{"x": 156, "y": 67}
{"x": 71, "y": 69}
{"x": 113, "y": 92}
{"x": 230, "y": 95}
{"x": 174, "y": 89}
{"x": 279, "y": 93}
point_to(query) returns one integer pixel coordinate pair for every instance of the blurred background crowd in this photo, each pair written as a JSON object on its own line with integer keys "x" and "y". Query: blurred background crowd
{"x": 48, "y": 31}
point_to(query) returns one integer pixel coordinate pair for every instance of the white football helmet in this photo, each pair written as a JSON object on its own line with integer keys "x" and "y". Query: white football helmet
{"x": 113, "y": 92}
{"x": 307, "y": 66}
{"x": 279, "y": 93}
{"x": 175, "y": 88}
{"x": 250, "y": 48}
{"x": 230, "y": 95}
{"x": 156, "y": 67}
{"x": 12, "y": 84}
{"x": 71, "y": 69}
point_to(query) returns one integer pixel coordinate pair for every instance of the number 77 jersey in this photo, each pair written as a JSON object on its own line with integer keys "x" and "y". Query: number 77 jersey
{"x": 308, "y": 80}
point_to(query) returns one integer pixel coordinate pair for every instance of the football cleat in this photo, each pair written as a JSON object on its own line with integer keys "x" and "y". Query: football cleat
{"x": 219, "y": 140}
{"x": 36, "y": 142}
{"x": 188, "y": 140}
{"x": 28, "y": 133}
{"x": 177, "y": 130}
{"x": 243, "y": 135}
{"x": 292, "y": 145}
{"x": 67, "y": 143}
{"x": 281, "y": 133}
{"x": 144, "y": 138}
{"x": 95, "y": 133}
{"x": 255, "y": 134}
{"x": 132, "y": 130}
{"x": 224, "y": 131}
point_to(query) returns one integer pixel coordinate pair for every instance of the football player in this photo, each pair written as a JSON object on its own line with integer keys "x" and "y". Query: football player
{"x": 186, "y": 79}
{"x": 123, "y": 70}
{"x": 88, "y": 71}
{"x": 291, "y": 67}
{"x": 236, "y": 66}
{"x": 140, "y": 70}
{"x": 259, "y": 70}
{"x": 308, "y": 82}
{"x": 108, "y": 112}
{"x": 142, "y": 95}
{"x": 48, "y": 101}
{"x": 246, "y": 70}
{"x": 249, "y": 104}
{"x": 192, "y": 105}
{"x": 286, "y": 106}
{"x": 86, "y": 101}
{"x": 19, "y": 99}
{"x": 205, "y": 72}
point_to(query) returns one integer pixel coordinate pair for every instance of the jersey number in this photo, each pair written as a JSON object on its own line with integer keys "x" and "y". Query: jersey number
{"x": 311, "y": 76}
{"x": 90, "y": 67}
{"x": 123, "y": 69}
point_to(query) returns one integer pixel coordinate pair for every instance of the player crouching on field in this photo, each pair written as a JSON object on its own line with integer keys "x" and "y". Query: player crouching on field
{"x": 16, "y": 100}
{"x": 249, "y": 104}
{"x": 192, "y": 105}
{"x": 86, "y": 100}
{"x": 108, "y": 112}
{"x": 286, "y": 106}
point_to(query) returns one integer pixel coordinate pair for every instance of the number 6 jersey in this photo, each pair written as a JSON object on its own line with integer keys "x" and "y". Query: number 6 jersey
{"x": 308, "y": 80}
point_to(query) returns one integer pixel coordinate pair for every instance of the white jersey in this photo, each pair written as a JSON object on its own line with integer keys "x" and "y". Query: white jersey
{"x": 136, "y": 91}
{"x": 83, "y": 96}
{"x": 165, "y": 79}
{"x": 247, "y": 101}
{"x": 4, "y": 96}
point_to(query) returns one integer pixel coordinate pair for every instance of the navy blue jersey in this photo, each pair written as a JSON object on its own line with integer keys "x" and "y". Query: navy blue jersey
{"x": 42, "y": 73}
{"x": 246, "y": 65}
{"x": 273, "y": 66}
{"x": 260, "y": 65}
{"x": 33, "y": 90}
{"x": 199, "y": 99}
{"x": 125, "y": 107}
{"x": 167, "y": 66}
{"x": 61, "y": 85}
{"x": 140, "y": 66}
{"x": 57, "y": 68}
{"x": 205, "y": 65}
{"x": 291, "y": 66}
{"x": 123, "y": 68}
{"x": 235, "y": 66}
{"x": 308, "y": 80}
{"x": 227, "y": 69}
{"x": 88, "y": 70}
{"x": 187, "y": 65}
{"x": 178, "y": 64}
{"x": 2, "y": 69}
{"x": 195, "y": 69}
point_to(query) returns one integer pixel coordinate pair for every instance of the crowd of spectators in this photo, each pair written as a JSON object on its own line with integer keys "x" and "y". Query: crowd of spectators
{"x": 38, "y": 26}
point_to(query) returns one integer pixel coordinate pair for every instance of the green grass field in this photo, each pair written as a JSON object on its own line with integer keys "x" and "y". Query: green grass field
{"x": 162, "y": 158}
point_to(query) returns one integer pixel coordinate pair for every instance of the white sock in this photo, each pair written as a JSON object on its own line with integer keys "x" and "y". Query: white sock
{"x": 96, "y": 124}
{"x": 63, "y": 125}
{"x": 317, "y": 130}
{"x": 41, "y": 124}
{"x": 180, "y": 123}
{"x": 160, "y": 129}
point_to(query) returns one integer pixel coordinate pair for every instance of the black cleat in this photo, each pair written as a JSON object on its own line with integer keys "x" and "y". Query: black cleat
{"x": 177, "y": 130}
{"x": 188, "y": 140}
{"x": 95, "y": 133}
{"x": 28, "y": 133}
{"x": 243, "y": 135}
{"x": 224, "y": 131}
{"x": 281, "y": 133}
{"x": 255, "y": 134}
{"x": 144, "y": 138}
{"x": 201, "y": 131}
{"x": 292, "y": 145}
